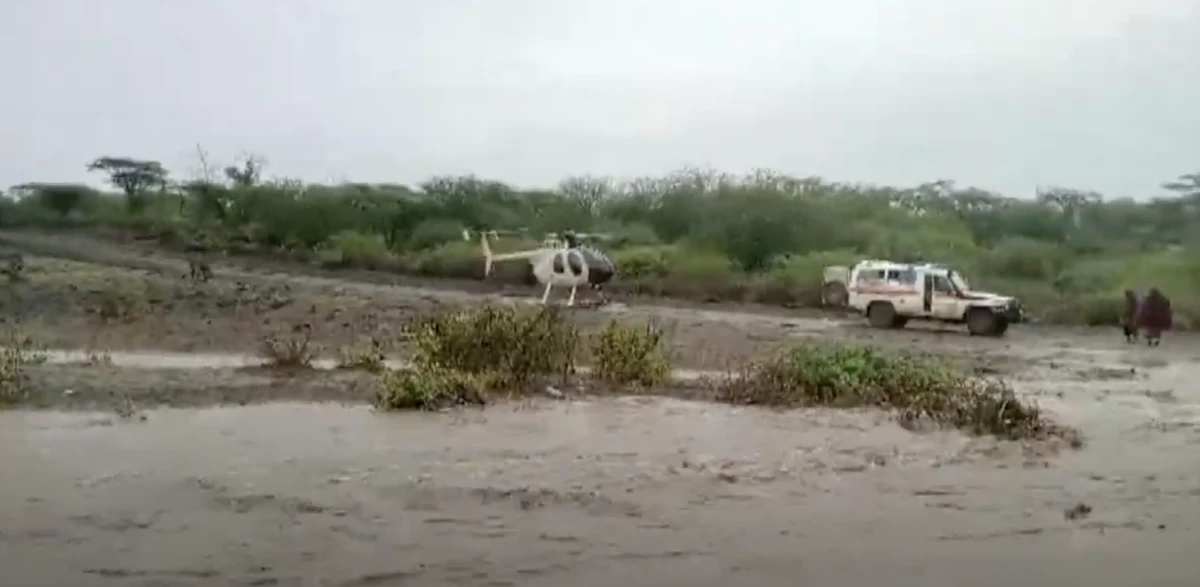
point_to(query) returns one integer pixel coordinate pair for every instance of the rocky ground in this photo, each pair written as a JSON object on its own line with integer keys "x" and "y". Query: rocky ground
{"x": 641, "y": 491}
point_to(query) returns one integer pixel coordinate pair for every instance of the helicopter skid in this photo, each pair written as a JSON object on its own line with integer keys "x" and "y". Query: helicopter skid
{"x": 580, "y": 304}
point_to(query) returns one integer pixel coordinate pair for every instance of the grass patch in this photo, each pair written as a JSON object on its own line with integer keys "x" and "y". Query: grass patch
{"x": 292, "y": 350}
{"x": 366, "y": 357}
{"x": 626, "y": 354}
{"x": 918, "y": 390}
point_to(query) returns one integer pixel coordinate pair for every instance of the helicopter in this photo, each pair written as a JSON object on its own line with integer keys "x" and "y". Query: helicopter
{"x": 561, "y": 260}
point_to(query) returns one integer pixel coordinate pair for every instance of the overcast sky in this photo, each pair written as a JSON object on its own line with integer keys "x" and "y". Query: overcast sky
{"x": 1002, "y": 94}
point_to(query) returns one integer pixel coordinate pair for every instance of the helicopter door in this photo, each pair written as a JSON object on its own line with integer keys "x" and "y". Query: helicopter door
{"x": 557, "y": 264}
{"x": 575, "y": 262}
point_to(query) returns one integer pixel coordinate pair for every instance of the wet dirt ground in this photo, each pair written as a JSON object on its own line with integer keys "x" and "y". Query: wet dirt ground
{"x": 639, "y": 491}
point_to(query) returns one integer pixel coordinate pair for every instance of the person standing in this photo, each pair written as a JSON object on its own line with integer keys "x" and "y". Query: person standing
{"x": 1154, "y": 316}
{"x": 1129, "y": 316}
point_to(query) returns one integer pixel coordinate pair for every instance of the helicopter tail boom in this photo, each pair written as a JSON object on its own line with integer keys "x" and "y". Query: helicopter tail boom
{"x": 489, "y": 257}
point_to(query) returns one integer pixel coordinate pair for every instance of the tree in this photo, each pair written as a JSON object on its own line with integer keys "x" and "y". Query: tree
{"x": 62, "y": 198}
{"x": 132, "y": 176}
{"x": 246, "y": 173}
{"x": 586, "y": 191}
{"x": 1187, "y": 185}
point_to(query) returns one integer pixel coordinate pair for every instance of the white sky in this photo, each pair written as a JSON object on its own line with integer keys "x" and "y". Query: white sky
{"x": 1003, "y": 94}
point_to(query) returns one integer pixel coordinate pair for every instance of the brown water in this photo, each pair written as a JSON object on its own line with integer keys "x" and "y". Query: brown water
{"x": 620, "y": 491}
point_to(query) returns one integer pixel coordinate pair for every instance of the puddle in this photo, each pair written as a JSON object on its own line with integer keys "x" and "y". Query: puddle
{"x": 163, "y": 360}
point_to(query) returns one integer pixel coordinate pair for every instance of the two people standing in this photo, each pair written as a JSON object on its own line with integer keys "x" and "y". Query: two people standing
{"x": 1150, "y": 315}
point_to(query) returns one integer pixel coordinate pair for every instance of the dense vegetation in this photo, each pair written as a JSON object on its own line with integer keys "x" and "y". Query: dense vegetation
{"x": 698, "y": 234}
{"x": 471, "y": 356}
{"x": 920, "y": 391}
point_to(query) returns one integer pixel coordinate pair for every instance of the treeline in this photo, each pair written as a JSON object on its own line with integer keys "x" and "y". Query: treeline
{"x": 694, "y": 233}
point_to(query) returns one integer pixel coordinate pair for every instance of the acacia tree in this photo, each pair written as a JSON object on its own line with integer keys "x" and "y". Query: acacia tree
{"x": 135, "y": 177}
{"x": 1187, "y": 185}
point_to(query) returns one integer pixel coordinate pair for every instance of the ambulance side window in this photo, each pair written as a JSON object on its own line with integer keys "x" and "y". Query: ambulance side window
{"x": 870, "y": 276}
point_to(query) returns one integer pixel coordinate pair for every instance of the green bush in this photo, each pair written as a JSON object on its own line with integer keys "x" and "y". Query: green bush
{"x": 452, "y": 259}
{"x": 918, "y": 390}
{"x": 516, "y": 344}
{"x": 435, "y": 232}
{"x": 354, "y": 249}
{"x": 432, "y": 388}
{"x": 463, "y": 356}
{"x": 626, "y": 354}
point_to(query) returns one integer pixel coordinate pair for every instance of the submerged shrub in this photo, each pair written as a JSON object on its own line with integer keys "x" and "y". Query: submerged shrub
{"x": 626, "y": 354}
{"x": 17, "y": 352}
{"x": 516, "y": 344}
{"x": 290, "y": 350}
{"x": 918, "y": 390}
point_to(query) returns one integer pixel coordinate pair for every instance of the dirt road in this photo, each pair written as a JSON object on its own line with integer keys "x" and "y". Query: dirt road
{"x": 635, "y": 491}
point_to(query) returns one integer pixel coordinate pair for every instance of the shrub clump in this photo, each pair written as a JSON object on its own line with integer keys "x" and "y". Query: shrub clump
{"x": 626, "y": 354}
{"x": 17, "y": 352}
{"x": 432, "y": 388}
{"x": 918, "y": 390}
{"x": 292, "y": 350}
{"x": 349, "y": 248}
{"x": 461, "y": 356}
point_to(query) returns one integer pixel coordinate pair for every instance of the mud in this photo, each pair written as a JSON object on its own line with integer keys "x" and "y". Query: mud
{"x": 643, "y": 491}
{"x": 640, "y": 491}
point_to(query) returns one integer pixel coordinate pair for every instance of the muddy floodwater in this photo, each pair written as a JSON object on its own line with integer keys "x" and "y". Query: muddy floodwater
{"x": 583, "y": 492}
{"x": 634, "y": 491}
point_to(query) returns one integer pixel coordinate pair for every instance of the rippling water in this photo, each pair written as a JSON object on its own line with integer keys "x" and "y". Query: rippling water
{"x": 627, "y": 491}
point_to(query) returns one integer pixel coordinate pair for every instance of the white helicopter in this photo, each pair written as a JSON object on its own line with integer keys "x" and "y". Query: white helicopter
{"x": 561, "y": 260}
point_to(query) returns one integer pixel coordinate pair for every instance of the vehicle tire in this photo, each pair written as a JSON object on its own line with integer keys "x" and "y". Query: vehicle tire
{"x": 834, "y": 295}
{"x": 899, "y": 322}
{"x": 984, "y": 322}
{"x": 881, "y": 315}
